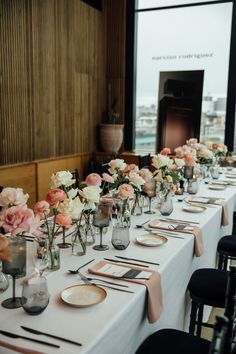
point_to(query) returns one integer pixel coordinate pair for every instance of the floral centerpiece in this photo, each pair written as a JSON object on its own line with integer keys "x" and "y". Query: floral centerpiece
{"x": 15, "y": 217}
{"x": 167, "y": 172}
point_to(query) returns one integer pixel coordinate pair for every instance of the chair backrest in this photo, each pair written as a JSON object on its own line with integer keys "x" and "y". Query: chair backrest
{"x": 230, "y": 305}
{"x": 144, "y": 161}
{"x": 75, "y": 175}
{"x": 218, "y": 339}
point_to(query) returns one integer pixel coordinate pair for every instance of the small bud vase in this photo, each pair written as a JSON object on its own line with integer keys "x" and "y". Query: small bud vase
{"x": 54, "y": 256}
{"x": 166, "y": 204}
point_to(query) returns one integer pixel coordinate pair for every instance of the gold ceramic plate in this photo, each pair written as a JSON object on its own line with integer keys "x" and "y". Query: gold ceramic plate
{"x": 83, "y": 295}
{"x": 151, "y": 240}
{"x": 194, "y": 208}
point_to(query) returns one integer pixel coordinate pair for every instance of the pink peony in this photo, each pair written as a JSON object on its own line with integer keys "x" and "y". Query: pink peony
{"x": 146, "y": 174}
{"x": 126, "y": 191}
{"x": 166, "y": 151}
{"x": 18, "y": 219}
{"x": 93, "y": 180}
{"x": 42, "y": 209}
{"x": 5, "y": 250}
{"x": 63, "y": 220}
{"x": 54, "y": 196}
{"x": 13, "y": 196}
{"x": 107, "y": 178}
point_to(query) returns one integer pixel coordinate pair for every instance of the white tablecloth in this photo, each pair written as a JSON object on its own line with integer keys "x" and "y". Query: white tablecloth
{"x": 119, "y": 324}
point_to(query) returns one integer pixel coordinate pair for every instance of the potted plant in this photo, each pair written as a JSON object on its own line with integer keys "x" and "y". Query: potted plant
{"x": 111, "y": 133}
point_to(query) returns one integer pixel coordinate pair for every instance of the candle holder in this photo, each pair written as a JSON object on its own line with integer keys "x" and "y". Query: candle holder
{"x": 188, "y": 174}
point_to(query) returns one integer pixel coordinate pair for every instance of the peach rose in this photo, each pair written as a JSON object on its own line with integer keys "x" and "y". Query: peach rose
{"x": 189, "y": 159}
{"x": 126, "y": 191}
{"x": 146, "y": 174}
{"x": 54, "y": 196}
{"x": 63, "y": 220}
{"x": 5, "y": 250}
{"x": 93, "y": 180}
{"x": 42, "y": 208}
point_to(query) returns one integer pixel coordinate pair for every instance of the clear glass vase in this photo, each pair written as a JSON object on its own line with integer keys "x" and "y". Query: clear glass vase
{"x": 88, "y": 229}
{"x": 166, "y": 204}
{"x": 54, "y": 256}
{"x": 79, "y": 242}
{"x": 137, "y": 208}
{"x": 4, "y": 282}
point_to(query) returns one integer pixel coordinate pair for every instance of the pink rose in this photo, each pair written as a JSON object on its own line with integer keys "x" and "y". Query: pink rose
{"x": 63, "y": 220}
{"x": 54, "y": 196}
{"x": 107, "y": 178}
{"x": 146, "y": 174}
{"x": 126, "y": 191}
{"x": 130, "y": 168}
{"x": 42, "y": 209}
{"x": 179, "y": 151}
{"x": 93, "y": 180}
{"x": 165, "y": 151}
{"x": 18, "y": 219}
{"x": 12, "y": 196}
{"x": 5, "y": 250}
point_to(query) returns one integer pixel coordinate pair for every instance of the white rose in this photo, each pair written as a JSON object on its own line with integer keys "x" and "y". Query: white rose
{"x": 179, "y": 162}
{"x": 117, "y": 164}
{"x": 77, "y": 208}
{"x": 136, "y": 180}
{"x": 91, "y": 195}
{"x": 72, "y": 193}
{"x": 159, "y": 161}
{"x": 66, "y": 206}
{"x": 62, "y": 178}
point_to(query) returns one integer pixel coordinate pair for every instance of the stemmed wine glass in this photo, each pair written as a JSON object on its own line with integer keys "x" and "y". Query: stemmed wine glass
{"x": 35, "y": 296}
{"x": 16, "y": 267}
{"x": 101, "y": 218}
{"x": 150, "y": 190}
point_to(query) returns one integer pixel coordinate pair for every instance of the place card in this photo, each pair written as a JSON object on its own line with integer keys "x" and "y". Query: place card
{"x": 119, "y": 271}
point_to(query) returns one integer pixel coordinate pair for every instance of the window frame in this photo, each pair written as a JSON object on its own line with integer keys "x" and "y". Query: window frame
{"x": 131, "y": 65}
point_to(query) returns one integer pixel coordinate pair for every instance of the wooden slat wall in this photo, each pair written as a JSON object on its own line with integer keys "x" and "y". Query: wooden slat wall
{"x": 116, "y": 11}
{"x": 52, "y": 78}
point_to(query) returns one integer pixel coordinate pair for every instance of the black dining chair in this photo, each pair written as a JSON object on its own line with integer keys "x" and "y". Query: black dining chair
{"x": 144, "y": 161}
{"x": 172, "y": 341}
{"x": 226, "y": 249}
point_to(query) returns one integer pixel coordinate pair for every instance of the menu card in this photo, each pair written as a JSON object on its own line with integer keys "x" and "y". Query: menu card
{"x": 119, "y": 271}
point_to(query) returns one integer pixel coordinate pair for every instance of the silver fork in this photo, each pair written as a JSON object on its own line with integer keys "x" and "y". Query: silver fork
{"x": 87, "y": 281}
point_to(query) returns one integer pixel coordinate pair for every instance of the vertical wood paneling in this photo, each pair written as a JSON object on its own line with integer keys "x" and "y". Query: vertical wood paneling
{"x": 53, "y": 56}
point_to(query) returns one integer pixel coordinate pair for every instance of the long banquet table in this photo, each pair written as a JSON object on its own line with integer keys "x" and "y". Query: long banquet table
{"x": 119, "y": 324}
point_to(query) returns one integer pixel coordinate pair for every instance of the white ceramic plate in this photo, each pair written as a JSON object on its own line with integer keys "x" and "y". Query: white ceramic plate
{"x": 194, "y": 208}
{"x": 151, "y": 240}
{"x": 217, "y": 187}
{"x": 83, "y": 295}
{"x": 230, "y": 175}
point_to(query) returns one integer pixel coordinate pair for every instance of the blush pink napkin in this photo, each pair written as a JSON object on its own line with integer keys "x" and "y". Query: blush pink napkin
{"x": 18, "y": 349}
{"x": 198, "y": 242}
{"x": 153, "y": 285}
{"x": 224, "y": 215}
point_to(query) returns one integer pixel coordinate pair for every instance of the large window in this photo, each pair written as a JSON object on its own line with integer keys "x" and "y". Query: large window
{"x": 192, "y": 38}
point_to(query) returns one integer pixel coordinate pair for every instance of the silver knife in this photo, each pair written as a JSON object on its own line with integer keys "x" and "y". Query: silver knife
{"x": 13, "y": 335}
{"x": 34, "y": 331}
{"x": 136, "y": 264}
{"x": 86, "y": 281}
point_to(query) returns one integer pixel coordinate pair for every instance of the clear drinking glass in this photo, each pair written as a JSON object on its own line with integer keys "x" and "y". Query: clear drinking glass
{"x": 35, "y": 296}
{"x": 120, "y": 237}
{"x": 101, "y": 218}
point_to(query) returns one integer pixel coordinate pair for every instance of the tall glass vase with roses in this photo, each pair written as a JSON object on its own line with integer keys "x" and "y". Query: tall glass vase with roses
{"x": 16, "y": 219}
{"x": 57, "y": 221}
{"x": 90, "y": 196}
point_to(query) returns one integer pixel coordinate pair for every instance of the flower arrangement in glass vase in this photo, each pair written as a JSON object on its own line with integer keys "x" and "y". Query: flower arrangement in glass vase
{"x": 16, "y": 219}
{"x": 166, "y": 175}
{"x": 126, "y": 174}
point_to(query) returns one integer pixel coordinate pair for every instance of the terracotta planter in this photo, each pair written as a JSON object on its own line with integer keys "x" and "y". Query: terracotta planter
{"x": 111, "y": 137}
